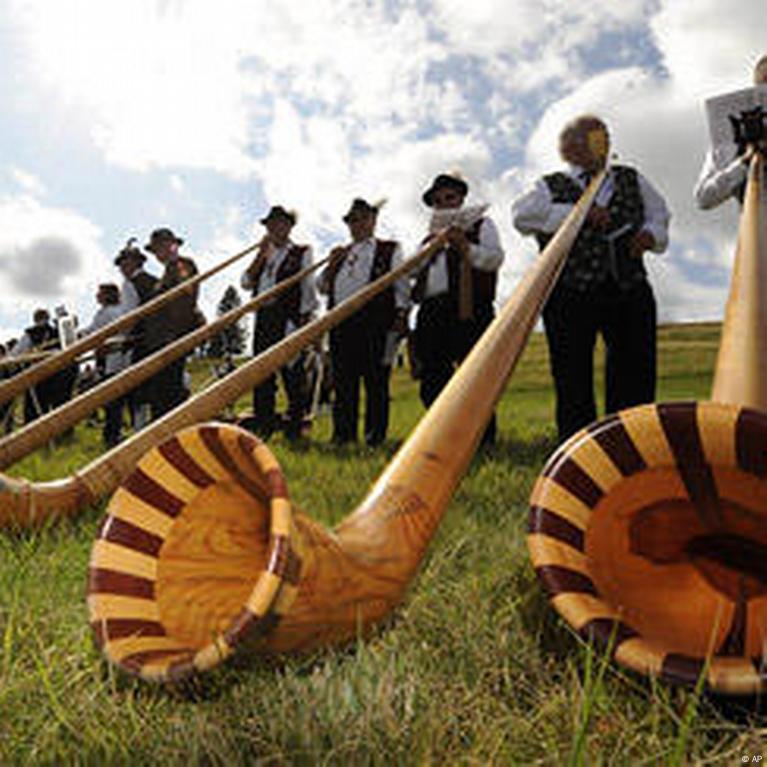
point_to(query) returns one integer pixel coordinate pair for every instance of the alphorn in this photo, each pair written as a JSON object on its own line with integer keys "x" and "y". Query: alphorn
{"x": 26, "y": 504}
{"x": 648, "y": 529}
{"x": 45, "y": 368}
{"x": 23, "y": 441}
{"x": 201, "y": 552}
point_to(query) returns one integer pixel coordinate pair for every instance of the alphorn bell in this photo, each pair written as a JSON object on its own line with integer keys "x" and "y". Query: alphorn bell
{"x": 202, "y": 552}
{"x": 648, "y": 529}
{"x": 27, "y": 504}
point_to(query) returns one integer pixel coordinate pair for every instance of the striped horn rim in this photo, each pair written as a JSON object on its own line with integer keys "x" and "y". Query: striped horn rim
{"x": 158, "y": 554}
{"x": 648, "y": 532}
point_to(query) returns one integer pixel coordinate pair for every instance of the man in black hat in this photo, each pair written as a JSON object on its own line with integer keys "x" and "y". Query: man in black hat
{"x": 456, "y": 291}
{"x": 277, "y": 259}
{"x": 137, "y": 288}
{"x": 176, "y": 319}
{"x": 603, "y": 287}
{"x": 40, "y": 336}
{"x": 358, "y": 346}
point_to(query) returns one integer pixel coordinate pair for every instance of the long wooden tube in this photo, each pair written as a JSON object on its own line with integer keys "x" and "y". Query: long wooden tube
{"x": 201, "y": 551}
{"x": 648, "y": 529}
{"x": 23, "y": 441}
{"x": 24, "y": 504}
{"x": 29, "y": 377}
{"x": 741, "y": 367}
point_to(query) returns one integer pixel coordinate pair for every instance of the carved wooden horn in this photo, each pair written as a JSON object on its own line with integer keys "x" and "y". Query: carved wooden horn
{"x": 648, "y": 529}
{"x": 202, "y": 554}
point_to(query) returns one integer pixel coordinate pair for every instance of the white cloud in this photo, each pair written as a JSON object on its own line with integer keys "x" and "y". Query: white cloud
{"x": 49, "y": 255}
{"x": 28, "y": 182}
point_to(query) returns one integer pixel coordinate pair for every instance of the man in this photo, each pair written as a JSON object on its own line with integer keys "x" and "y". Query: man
{"x": 724, "y": 172}
{"x": 137, "y": 288}
{"x": 176, "y": 319}
{"x": 358, "y": 345}
{"x": 455, "y": 290}
{"x": 40, "y": 336}
{"x": 603, "y": 287}
{"x": 111, "y": 361}
{"x": 277, "y": 259}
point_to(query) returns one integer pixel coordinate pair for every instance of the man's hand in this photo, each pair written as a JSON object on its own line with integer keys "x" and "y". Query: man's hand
{"x": 457, "y": 238}
{"x": 598, "y": 217}
{"x": 641, "y": 242}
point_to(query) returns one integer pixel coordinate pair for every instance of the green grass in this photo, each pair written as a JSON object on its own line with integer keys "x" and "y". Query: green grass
{"x": 474, "y": 668}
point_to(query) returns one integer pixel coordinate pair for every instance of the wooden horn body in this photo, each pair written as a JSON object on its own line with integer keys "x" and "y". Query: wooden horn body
{"x": 50, "y": 364}
{"x": 25, "y": 504}
{"x": 648, "y": 529}
{"x": 23, "y": 441}
{"x": 201, "y": 553}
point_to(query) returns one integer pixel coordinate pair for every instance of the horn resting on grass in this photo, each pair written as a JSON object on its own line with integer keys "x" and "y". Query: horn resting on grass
{"x": 202, "y": 554}
{"x": 648, "y": 529}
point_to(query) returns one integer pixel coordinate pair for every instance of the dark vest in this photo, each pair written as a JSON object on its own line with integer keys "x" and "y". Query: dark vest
{"x": 483, "y": 282}
{"x": 144, "y": 284}
{"x": 379, "y": 311}
{"x": 289, "y": 302}
{"x": 179, "y": 317}
{"x": 42, "y": 334}
{"x": 595, "y": 258}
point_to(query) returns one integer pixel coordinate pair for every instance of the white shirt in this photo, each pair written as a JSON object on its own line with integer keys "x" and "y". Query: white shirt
{"x": 535, "y": 211}
{"x": 129, "y": 297}
{"x": 720, "y": 178}
{"x": 486, "y": 256}
{"x": 116, "y": 359}
{"x": 268, "y": 278}
{"x": 354, "y": 273}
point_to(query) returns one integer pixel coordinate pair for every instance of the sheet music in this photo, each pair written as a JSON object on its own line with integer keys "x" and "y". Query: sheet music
{"x": 720, "y": 110}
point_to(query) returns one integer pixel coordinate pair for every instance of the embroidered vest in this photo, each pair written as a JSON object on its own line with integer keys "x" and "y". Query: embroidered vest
{"x": 289, "y": 302}
{"x": 483, "y": 282}
{"x": 41, "y": 334}
{"x": 598, "y": 256}
{"x": 380, "y": 310}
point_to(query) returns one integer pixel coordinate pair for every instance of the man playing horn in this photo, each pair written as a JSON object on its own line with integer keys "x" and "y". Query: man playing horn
{"x": 358, "y": 346}
{"x": 178, "y": 318}
{"x": 603, "y": 287}
{"x": 724, "y": 170}
{"x": 455, "y": 290}
{"x": 277, "y": 259}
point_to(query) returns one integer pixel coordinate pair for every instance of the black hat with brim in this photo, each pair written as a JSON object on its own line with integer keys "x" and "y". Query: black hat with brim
{"x": 360, "y": 207}
{"x": 277, "y": 211}
{"x": 162, "y": 235}
{"x": 445, "y": 181}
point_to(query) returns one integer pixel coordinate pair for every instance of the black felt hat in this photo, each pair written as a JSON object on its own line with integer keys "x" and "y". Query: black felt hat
{"x": 445, "y": 181}
{"x": 360, "y": 207}
{"x": 130, "y": 251}
{"x": 277, "y": 211}
{"x": 163, "y": 234}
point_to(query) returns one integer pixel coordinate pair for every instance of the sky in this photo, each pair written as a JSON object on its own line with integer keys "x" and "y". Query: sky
{"x": 119, "y": 117}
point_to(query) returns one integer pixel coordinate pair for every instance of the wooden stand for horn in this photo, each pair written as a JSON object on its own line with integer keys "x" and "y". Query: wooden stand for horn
{"x": 648, "y": 529}
{"x": 202, "y": 554}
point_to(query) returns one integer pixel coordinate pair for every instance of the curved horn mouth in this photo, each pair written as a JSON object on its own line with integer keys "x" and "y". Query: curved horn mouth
{"x": 648, "y": 532}
{"x": 196, "y": 557}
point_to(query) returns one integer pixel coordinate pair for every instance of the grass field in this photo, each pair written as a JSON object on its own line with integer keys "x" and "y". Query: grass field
{"x": 474, "y": 668}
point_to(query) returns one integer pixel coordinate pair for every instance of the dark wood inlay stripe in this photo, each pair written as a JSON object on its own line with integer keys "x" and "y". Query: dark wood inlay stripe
{"x": 175, "y": 454}
{"x": 681, "y": 669}
{"x": 120, "y": 628}
{"x": 212, "y": 439}
{"x": 277, "y": 486}
{"x": 292, "y": 573}
{"x": 680, "y": 426}
{"x": 238, "y": 629}
{"x": 611, "y": 435}
{"x": 129, "y": 535}
{"x": 137, "y": 661}
{"x": 102, "y": 581}
{"x": 146, "y": 489}
{"x": 577, "y": 482}
{"x": 180, "y": 670}
{"x": 550, "y": 523}
{"x": 750, "y": 442}
{"x": 734, "y": 644}
{"x": 562, "y": 580}
{"x": 608, "y": 632}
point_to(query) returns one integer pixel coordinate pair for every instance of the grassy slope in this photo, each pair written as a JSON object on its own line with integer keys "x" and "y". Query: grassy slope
{"x": 474, "y": 668}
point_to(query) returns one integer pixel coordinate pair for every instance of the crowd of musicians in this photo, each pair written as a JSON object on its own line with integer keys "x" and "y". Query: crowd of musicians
{"x": 443, "y": 306}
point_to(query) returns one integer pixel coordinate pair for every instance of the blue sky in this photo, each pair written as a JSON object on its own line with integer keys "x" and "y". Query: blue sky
{"x": 122, "y": 116}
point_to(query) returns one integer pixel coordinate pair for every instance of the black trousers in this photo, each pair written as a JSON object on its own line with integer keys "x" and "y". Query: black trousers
{"x": 166, "y": 388}
{"x": 269, "y": 330}
{"x": 442, "y": 342}
{"x": 357, "y": 350}
{"x": 627, "y": 321}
